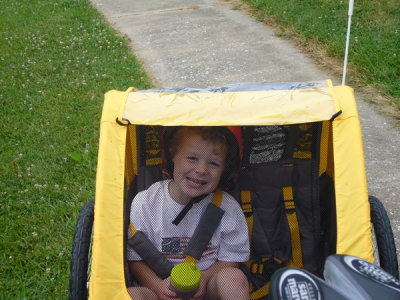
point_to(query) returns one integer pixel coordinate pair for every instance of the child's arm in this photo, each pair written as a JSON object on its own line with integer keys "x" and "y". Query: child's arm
{"x": 207, "y": 274}
{"x": 147, "y": 278}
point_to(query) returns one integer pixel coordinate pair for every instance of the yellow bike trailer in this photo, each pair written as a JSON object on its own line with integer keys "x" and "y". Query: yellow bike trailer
{"x": 301, "y": 185}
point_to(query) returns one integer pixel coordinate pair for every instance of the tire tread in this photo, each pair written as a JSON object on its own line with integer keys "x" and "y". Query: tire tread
{"x": 384, "y": 237}
{"x": 80, "y": 252}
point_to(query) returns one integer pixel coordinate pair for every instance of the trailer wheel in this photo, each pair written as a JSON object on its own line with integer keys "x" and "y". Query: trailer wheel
{"x": 81, "y": 257}
{"x": 384, "y": 237}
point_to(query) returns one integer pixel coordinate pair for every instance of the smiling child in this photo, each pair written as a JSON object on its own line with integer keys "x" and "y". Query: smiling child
{"x": 201, "y": 156}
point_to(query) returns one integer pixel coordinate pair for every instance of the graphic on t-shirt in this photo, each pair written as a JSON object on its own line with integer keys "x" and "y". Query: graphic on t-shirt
{"x": 173, "y": 247}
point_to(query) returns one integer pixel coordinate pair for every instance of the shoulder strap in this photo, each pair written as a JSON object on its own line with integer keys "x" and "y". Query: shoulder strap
{"x": 208, "y": 223}
{"x": 217, "y": 198}
{"x": 288, "y": 200}
{"x": 157, "y": 261}
{"x": 187, "y": 207}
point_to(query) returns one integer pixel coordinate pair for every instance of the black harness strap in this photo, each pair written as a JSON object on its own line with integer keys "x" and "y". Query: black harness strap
{"x": 204, "y": 231}
{"x": 150, "y": 254}
{"x": 187, "y": 207}
{"x": 291, "y": 141}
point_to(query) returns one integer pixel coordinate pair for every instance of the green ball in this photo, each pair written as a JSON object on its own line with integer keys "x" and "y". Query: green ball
{"x": 185, "y": 276}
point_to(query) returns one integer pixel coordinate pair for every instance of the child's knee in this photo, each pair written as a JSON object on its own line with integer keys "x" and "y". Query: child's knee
{"x": 141, "y": 293}
{"x": 229, "y": 283}
{"x": 236, "y": 276}
{"x": 232, "y": 278}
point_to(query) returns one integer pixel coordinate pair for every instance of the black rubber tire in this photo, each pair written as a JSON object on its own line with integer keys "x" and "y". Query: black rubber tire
{"x": 81, "y": 254}
{"x": 384, "y": 237}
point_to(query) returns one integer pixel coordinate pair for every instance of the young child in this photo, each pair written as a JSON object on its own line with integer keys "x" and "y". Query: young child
{"x": 200, "y": 156}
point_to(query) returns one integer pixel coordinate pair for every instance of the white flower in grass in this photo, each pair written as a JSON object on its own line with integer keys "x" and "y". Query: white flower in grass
{"x": 34, "y": 234}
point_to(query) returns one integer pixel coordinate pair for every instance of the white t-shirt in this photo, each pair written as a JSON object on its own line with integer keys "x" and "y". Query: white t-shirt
{"x": 153, "y": 211}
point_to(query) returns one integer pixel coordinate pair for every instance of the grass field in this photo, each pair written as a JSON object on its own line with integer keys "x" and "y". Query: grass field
{"x": 375, "y": 35}
{"x": 57, "y": 59}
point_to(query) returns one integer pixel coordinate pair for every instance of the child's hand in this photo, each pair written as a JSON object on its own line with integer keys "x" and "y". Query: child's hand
{"x": 164, "y": 292}
{"x": 201, "y": 291}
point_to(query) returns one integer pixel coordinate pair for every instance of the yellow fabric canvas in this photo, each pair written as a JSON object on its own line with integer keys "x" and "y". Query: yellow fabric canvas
{"x": 275, "y": 107}
{"x": 107, "y": 279}
{"x": 352, "y": 206}
{"x": 239, "y": 108}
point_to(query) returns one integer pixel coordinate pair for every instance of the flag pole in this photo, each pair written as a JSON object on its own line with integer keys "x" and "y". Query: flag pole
{"x": 351, "y": 5}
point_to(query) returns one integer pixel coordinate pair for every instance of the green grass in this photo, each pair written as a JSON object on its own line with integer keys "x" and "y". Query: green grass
{"x": 375, "y": 34}
{"x": 57, "y": 59}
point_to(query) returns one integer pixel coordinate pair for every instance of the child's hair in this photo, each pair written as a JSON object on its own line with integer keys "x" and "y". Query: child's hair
{"x": 209, "y": 134}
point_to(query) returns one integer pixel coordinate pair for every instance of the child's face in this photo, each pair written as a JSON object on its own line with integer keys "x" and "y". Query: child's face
{"x": 198, "y": 166}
